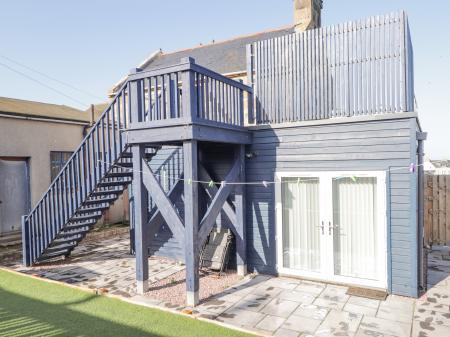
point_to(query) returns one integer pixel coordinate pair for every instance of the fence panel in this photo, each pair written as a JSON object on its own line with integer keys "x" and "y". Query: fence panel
{"x": 351, "y": 69}
{"x": 437, "y": 210}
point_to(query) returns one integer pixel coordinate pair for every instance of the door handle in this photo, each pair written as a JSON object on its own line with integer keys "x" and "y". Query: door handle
{"x": 330, "y": 228}
{"x": 322, "y": 227}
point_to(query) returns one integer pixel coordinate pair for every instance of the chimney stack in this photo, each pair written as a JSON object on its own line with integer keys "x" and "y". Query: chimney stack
{"x": 307, "y": 14}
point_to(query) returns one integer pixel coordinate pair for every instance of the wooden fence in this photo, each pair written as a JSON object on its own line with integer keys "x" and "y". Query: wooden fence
{"x": 437, "y": 209}
{"x": 355, "y": 68}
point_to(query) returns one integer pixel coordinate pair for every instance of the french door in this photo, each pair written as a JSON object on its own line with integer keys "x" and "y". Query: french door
{"x": 332, "y": 226}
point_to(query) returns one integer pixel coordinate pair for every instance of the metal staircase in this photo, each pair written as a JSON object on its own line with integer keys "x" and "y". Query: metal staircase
{"x": 91, "y": 181}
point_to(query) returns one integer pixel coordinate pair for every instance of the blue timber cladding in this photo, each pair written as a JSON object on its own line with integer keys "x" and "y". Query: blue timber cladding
{"x": 167, "y": 164}
{"x": 372, "y": 145}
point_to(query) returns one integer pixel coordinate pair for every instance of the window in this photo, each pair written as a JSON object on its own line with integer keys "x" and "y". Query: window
{"x": 57, "y": 162}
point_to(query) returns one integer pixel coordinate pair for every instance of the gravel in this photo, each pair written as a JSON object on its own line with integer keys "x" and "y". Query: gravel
{"x": 173, "y": 288}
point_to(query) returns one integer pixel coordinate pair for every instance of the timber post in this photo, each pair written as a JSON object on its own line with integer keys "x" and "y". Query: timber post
{"x": 140, "y": 220}
{"x": 191, "y": 221}
{"x": 241, "y": 243}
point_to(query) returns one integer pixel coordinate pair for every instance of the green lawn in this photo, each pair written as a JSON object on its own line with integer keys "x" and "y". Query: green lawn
{"x": 30, "y": 307}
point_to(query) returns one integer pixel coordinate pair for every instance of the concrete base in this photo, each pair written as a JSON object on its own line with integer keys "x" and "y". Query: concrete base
{"x": 192, "y": 298}
{"x": 141, "y": 287}
{"x": 242, "y": 270}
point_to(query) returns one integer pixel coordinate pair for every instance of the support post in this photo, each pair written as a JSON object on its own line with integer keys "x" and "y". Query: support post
{"x": 241, "y": 240}
{"x": 190, "y": 112}
{"x": 191, "y": 221}
{"x": 140, "y": 220}
{"x": 131, "y": 215}
{"x": 26, "y": 249}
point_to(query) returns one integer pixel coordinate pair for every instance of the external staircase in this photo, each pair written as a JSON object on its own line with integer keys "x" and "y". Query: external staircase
{"x": 154, "y": 108}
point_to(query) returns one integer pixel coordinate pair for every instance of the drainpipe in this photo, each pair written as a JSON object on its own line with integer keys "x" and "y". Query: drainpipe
{"x": 421, "y": 137}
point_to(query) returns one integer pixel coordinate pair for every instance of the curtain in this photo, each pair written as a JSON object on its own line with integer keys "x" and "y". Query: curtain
{"x": 355, "y": 227}
{"x": 301, "y": 223}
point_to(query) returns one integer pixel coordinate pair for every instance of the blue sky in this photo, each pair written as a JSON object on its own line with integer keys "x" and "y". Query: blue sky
{"x": 92, "y": 44}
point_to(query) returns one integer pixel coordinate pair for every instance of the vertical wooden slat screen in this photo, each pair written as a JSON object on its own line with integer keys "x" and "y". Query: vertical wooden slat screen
{"x": 350, "y": 69}
{"x": 437, "y": 210}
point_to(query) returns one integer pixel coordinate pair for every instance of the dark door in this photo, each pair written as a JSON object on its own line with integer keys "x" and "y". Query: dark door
{"x": 14, "y": 189}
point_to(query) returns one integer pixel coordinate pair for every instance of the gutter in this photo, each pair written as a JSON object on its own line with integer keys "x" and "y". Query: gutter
{"x": 52, "y": 120}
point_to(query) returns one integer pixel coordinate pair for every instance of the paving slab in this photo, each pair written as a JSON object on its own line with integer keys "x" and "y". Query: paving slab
{"x": 301, "y": 325}
{"x": 270, "y": 323}
{"x": 385, "y": 327}
{"x": 242, "y": 318}
{"x": 422, "y": 329}
{"x": 311, "y": 311}
{"x": 280, "y": 308}
{"x": 339, "y": 323}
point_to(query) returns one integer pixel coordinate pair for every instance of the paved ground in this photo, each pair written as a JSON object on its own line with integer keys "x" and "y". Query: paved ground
{"x": 105, "y": 265}
{"x": 273, "y": 306}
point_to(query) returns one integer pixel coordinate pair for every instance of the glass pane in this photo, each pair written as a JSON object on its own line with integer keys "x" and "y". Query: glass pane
{"x": 355, "y": 227}
{"x": 301, "y": 223}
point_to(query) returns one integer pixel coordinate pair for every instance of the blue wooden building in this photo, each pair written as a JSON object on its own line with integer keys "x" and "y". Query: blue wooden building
{"x": 306, "y": 144}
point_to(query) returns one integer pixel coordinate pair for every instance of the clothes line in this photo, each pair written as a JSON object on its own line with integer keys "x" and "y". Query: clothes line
{"x": 412, "y": 168}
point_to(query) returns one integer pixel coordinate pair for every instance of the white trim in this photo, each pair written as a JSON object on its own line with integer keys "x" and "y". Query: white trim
{"x": 327, "y": 273}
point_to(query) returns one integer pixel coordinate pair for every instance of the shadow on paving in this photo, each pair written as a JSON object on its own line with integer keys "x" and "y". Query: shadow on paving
{"x": 23, "y": 316}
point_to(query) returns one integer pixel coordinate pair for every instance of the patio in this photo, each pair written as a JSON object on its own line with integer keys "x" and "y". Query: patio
{"x": 263, "y": 304}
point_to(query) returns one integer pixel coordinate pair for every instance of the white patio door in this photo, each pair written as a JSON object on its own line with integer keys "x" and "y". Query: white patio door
{"x": 331, "y": 226}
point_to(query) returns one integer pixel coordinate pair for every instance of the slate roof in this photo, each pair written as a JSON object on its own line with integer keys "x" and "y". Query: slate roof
{"x": 18, "y": 107}
{"x": 224, "y": 57}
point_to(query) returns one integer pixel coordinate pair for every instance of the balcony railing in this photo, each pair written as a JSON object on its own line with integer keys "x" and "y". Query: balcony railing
{"x": 352, "y": 69}
{"x": 186, "y": 93}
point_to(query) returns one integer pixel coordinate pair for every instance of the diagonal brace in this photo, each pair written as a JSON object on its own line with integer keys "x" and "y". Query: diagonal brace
{"x": 220, "y": 199}
{"x": 164, "y": 205}
{"x": 157, "y": 220}
{"x": 212, "y": 190}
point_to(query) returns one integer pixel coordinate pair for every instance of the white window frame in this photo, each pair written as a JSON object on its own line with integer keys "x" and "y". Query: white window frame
{"x": 327, "y": 273}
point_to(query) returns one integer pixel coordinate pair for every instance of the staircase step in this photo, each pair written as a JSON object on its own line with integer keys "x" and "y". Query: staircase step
{"x": 58, "y": 248}
{"x": 107, "y": 192}
{"x": 67, "y": 239}
{"x": 100, "y": 201}
{"x": 114, "y": 183}
{"x": 120, "y": 175}
{"x": 53, "y": 255}
{"x": 125, "y": 164}
{"x": 67, "y": 232}
{"x": 86, "y": 216}
{"x": 99, "y": 208}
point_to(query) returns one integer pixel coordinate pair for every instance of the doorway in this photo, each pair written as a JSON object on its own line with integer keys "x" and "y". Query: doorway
{"x": 332, "y": 226}
{"x": 14, "y": 193}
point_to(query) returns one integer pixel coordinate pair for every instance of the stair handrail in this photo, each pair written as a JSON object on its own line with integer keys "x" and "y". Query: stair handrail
{"x": 89, "y": 134}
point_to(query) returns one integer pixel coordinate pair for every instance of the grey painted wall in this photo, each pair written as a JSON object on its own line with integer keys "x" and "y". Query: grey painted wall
{"x": 387, "y": 145}
{"x": 376, "y": 145}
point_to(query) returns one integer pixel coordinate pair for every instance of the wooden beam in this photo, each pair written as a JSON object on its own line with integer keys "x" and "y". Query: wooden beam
{"x": 140, "y": 220}
{"x": 157, "y": 220}
{"x": 164, "y": 205}
{"x": 218, "y": 202}
{"x": 180, "y": 130}
{"x": 212, "y": 190}
{"x": 191, "y": 219}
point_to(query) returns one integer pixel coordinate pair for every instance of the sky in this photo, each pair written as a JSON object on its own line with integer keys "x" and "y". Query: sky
{"x": 90, "y": 45}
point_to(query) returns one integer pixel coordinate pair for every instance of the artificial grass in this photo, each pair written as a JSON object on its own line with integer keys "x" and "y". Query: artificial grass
{"x": 30, "y": 307}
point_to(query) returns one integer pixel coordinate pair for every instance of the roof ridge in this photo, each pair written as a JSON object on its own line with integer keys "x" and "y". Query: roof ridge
{"x": 18, "y": 100}
{"x": 229, "y": 40}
